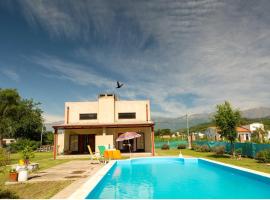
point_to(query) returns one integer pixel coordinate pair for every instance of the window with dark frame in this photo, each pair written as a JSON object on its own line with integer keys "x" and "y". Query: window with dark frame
{"x": 87, "y": 116}
{"x": 127, "y": 115}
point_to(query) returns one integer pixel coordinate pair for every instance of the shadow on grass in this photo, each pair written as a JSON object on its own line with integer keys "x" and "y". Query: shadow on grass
{"x": 219, "y": 156}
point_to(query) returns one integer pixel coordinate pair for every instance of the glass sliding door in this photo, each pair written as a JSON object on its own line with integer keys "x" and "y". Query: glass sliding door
{"x": 73, "y": 143}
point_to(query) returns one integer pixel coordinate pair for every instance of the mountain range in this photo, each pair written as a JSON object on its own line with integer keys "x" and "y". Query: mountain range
{"x": 194, "y": 119}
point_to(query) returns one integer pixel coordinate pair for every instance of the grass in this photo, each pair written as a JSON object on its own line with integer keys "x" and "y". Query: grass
{"x": 40, "y": 190}
{"x": 244, "y": 162}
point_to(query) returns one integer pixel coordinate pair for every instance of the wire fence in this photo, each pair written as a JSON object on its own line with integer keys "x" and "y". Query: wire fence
{"x": 247, "y": 149}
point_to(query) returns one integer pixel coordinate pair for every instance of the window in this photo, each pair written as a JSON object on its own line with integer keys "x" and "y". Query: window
{"x": 126, "y": 115}
{"x": 87, "y": 116}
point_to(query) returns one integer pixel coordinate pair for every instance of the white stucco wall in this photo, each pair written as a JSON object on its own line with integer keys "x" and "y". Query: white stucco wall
{"x": 107, "y": 109}
{"x": 139, "y": 107}
{"x": 77, "y": 108}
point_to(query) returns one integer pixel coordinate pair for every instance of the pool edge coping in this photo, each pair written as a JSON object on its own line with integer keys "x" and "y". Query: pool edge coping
{"x": 91, "y": 182}
{"x": 238, "y": 168}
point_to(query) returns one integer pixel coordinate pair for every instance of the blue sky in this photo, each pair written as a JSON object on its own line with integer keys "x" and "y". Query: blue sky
{"x": 185, "y": 56}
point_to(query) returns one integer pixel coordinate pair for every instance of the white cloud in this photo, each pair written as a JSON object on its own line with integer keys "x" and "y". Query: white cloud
{"x": 49, "y": 118}
{"x": 74, "y": 72}
{"x": 11, "y": 74}
{"x": 214, "y": 49}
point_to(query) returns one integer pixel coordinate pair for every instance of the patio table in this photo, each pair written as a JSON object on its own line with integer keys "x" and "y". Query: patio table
{"x": 112, "y": 154}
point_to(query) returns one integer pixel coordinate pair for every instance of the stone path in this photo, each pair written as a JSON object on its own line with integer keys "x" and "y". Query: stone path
{"x": 72, "y": 170}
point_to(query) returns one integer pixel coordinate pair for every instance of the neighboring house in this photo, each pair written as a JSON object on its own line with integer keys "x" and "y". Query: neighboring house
{"x": 7, "y": 141}
{"x": 268, "y": 135}
{"x": 199, "y": 135}
{"x": 212, "y": 133}
{"x": 254, "y": 126}
{"x": 100, "y": 122}
{"x": 165, "y": 136}
{"x": 243, "y": 134}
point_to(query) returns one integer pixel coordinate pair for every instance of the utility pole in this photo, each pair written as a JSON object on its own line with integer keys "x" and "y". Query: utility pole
{"x": 41, "y": 135}
{"x": 189, "y": 139}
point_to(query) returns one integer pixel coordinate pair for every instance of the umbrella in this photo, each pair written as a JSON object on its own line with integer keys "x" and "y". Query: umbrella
{"x": 128, "y": 136}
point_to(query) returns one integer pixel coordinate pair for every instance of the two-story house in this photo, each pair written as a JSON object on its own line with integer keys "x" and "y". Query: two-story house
{"x": 101, "y": 122}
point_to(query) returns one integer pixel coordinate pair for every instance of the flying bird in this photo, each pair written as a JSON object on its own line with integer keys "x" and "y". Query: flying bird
{"x": 119, "y": 85}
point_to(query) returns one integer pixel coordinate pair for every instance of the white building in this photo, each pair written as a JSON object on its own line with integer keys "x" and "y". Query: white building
{"x": 254, "y": 126}
{"x": 212, "y": 133}
{"x": 100, "y": 122}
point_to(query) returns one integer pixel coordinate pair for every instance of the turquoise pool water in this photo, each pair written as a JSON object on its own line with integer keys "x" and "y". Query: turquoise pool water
{"x": 178, "y": 178}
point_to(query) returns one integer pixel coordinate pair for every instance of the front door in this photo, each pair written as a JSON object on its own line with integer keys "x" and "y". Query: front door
{"x": 85, "y": 140}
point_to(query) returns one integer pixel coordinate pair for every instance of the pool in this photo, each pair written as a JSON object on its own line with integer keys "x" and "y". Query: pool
{"x": 178, "y": 178}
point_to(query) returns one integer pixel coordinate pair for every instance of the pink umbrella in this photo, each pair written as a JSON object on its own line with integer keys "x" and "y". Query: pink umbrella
{"x": 128, "y": 136}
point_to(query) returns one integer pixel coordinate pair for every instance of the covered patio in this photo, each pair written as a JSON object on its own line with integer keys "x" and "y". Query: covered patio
{"x": 72, "y": 139}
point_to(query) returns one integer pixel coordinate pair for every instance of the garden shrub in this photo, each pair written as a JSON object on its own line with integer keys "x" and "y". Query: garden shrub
{"x": 205, "y": 148}
{"x": 20, "y": 144}
{"x": 165, "y": 147}
{"x": 181, "y": 146}
{"x": 219, "y": 150}
{"x": 7, "y": 194}
{"x": 238, "y": 151}
{"x": 4, "y": 157}
{"x": 195, "y": 147}
{"x": 263, "y": 156}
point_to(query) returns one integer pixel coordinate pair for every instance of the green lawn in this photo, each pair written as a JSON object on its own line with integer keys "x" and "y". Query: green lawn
{"x": 245, "y": 162}
{"x": 36, "y": 190}
{"x": 40, "y": 190}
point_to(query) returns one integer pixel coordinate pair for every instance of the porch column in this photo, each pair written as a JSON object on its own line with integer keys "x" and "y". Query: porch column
{"x": 153, "y": 140}
{"x": 104, "y": 131}
{"x": 55, "y": 143}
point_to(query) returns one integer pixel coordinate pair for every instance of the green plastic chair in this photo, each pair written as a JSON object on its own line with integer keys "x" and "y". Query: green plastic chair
{"x": 101, "y": 150}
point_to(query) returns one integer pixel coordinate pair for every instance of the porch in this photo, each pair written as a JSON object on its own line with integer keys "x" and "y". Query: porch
{"x": 72, "y": 140}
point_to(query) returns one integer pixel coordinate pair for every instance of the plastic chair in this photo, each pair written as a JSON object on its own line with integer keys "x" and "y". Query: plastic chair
{"x": 101, "y": 150}
{"x": 93, "y": 156}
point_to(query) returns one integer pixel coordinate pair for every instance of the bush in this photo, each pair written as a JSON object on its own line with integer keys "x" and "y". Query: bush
{"x": 219, "y": 150}
{"x": 27, "y": 153}
{"x": 20, "y": 144}
{"x": 165, "y": 147}
{"x": 181, "y": 146}
{"x": 4, "y": 159}
{"x": 263, "y": 156}
{"x": 6, "y": 194}
{"x": 238, "y": 151}
{"x": 205, "y": 148}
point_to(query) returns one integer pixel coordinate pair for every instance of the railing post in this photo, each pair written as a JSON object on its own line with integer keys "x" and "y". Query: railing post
{"x": 55, "y": 143}
{"x": 153, "y": 140}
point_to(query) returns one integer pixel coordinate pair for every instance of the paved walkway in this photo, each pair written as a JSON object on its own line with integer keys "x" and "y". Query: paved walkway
{"x": 72, "y": 170}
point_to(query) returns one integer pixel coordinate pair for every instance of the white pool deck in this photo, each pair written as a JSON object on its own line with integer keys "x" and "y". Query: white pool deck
{"x": 85, "y": 188}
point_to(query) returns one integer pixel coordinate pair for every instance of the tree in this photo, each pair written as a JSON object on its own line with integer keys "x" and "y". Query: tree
{"x": 9, "y": 101}
{"x": 19, "y": 118}
{"x": 258, "y": 136}
{"x": 227, "y": 120}
{"x": 48, "y": 137}
{"x": 29, "y": 118}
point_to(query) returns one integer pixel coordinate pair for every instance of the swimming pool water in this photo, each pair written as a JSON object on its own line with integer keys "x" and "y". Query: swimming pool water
{"x": 178, "y": 178}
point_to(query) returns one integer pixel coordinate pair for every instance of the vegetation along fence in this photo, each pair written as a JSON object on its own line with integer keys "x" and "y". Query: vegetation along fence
{"x": 173, "y": 144}
{"x": 248, "y": 149}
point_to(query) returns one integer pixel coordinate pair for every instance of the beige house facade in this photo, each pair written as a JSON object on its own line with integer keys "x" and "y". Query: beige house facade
{"x": 100, "y": 122}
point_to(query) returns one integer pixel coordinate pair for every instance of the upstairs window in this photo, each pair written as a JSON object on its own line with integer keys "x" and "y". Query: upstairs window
{"x": 88, "y": 116}
{"x": 127, "y": 115}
